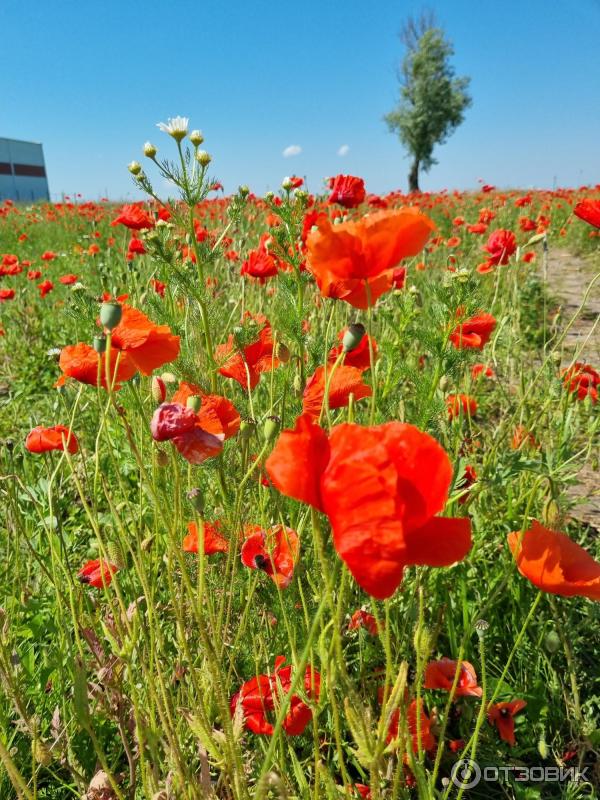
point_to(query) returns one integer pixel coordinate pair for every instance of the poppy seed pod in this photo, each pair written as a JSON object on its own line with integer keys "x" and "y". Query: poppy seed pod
{"x": 247, "y": 428}
{"x": 110, "y": 314}
{"x": 353, "y": 336}
{"x": 193, "y": 402}
{"x": 271, "y": 428}
{"x": 196, "y": 138}
{"x": 99, "y": 344}
{"x": 149, "y": 150}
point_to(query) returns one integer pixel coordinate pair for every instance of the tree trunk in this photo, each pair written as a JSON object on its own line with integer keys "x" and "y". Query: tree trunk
{"x": 413, "y": 177}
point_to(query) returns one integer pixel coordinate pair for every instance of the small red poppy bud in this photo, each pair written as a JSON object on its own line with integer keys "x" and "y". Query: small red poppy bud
{"x": 110, "y": 314}
{"x": 271, "y": 428}
{"x": 100, "y": 344}
{"x": 353, "y": 336}
{"x": 194, "y": 402}
{"x": 158, "y": 390}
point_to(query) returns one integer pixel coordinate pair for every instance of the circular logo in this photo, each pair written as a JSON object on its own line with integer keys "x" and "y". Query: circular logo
{"x": 466, "y": 773}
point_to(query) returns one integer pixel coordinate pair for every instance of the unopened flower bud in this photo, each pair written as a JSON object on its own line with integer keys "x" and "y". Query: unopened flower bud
{"x": 135, "y": 167}
{"x": 552, "y": 641}
{"x": 286, "y": 184}
{"x": 158, "y": 389}
{"x": 271, "y": 428}
{"x": 244, "y": 191}
{"x": 282, "y": 352}
{"x": 269, "y": 196}
{"x": 99, "y": 344}
{"x": 146, "y": 544}
{"x": 196, "y": 138}
{"x": 149, "y": 150}
{"x": 203, "y": 158}
{"x": 443, "y": 384}
{"x": 194, "y": 402}
{"x": 162, "y": 458}
{"x": 247, "y": 428}
{"x": 110, "y": 314}
{"x": 196, "y": 498}
{"x": 353, "y": 336}
{"x": 297, "y": 385}
{"x": 556, "y": 357}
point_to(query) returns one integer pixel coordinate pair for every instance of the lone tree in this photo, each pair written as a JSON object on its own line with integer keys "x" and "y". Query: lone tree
{"x": 432, "y": 100}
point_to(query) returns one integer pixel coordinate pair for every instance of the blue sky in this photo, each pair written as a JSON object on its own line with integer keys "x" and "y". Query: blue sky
{"x": 91, "y": 80}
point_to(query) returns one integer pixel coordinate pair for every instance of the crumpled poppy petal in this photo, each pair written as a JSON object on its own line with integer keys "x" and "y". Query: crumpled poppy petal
{"x": 197, "y": 445}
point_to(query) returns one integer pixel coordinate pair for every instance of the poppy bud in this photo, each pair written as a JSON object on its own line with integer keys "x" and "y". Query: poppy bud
{"x": 110, "y": 314}
{"x": 149, "y": 150}
{"x": 353, "y": 336}
{"x": 162, "y": 458}
{"x": 196, "y": 498}
{"x": 196, "y": 138}
{"x": 443, "y": 384}
{"x": 100, "y": 344}
{"x": 194, "y": 402}
{"x": 556, "y": 357}
{"x": 158, "y": 389}
{"x": 147, "y": 543}
{"x": 552, "y": 641}
{"x": 247, "y": 428}
{"x": 203, "y": 158}
{"x": 135, "y": 167}
{"x": 282, "y": 353}
{"x": 297, "y": 384}
{"x": 244, "y": 191}
{"x": 271, "y": 428}
{"x": 41, "y": 752}
{"x": 301, "y": 195}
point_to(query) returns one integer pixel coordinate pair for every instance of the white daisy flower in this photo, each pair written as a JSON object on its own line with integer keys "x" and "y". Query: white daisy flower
{"x": 177, "y": 127}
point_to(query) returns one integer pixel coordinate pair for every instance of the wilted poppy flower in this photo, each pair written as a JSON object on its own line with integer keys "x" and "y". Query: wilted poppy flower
{"x": 440, "y": 675}
{"x": 182, "y": 426}
{"x": 355, "y": 261}
{"x": 456, "y": 403}
{"x": 343, "y": 382}
{"x": 589, "y": 211}
{"x": 583, "y": 380}
{"x": 500, "y": 246}
{"x": 347, "y": 190}
{"x": 256, "y": 358}
{"x": 381, "y": 488}
{"x": 474, "y": 332}
{"x": 134, "y": 218}
{"x": 42, "y": 440}
{"x": 555, "y": 563}
{"x": 360, "y": 357}
{"x": 97, "y": 573}
{"x": 261, "y": 263}
{"x": 274, "y": 551}
{"x": 213, "y": 541}
{"x": 362, "y": 619}
{"x": 257, "y": 698}
{"x": 502, "y": 716}
{"x": 217, "y": 414}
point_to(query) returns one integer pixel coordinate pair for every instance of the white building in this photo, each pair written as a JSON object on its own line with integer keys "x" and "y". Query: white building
{"x": 22, "y": 171}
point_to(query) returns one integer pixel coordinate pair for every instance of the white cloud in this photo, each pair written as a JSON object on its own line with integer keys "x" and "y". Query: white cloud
{"x": 292, "y": 150}
{"x": 344, "y": 150}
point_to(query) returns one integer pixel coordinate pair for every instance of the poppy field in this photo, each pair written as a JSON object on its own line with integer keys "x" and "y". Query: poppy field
{"x": 288, "y": 491}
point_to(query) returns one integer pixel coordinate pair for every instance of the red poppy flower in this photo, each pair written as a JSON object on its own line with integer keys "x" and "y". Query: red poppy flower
{"x": 256, "y": 358}
{"x": 478, "y": 370}
{"x": 82, "y": 362}
{"x": 360, "y": 357}
{"x": 589, "y": 211}
{"x": 158, "y": 286}
{"x": 261, "y": 263}
{"x": 428, "y": 741}
{"x": 68, "y": 280}
{"x": 48, "y": 255}
{"x": 136, "y": 246}
{"x": 362, "y": 619}
{"x": 456, "y": 403}
{"x": 355, "y": 261}
{"x": 502, "y": 716}
{"x": 45, "y": 287}
{"x": 500, "y": 246}
{"x": 555, "y": 563}
{"x": 34, "y": 274}
{"x": 134, "y": 218}
{"x": 399, "y": 277}
{"x": 213, "y": 541}
{"x": 344, "y": 382}
{"x": 478, "y": 228}
{"x": 347, "y": 191}
{"x": 97, "y": 573}
{"x": 274, "y": 551}
{"x": 474, "y": 333}
{"x": 257, "y": 698}
{"x": 6, "y": 294}
{"x": 42, "y": 440}
{"x": 381, "y": 488}
{"x": 440, "y": 675}
{"x": 583, "y": 380}
{"x": 148, "y": 345}
{"x": 217, "y": 414}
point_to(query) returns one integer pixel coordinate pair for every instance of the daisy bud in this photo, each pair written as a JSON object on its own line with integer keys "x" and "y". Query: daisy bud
{"x": 196, "y": 138}
{"x": 196, "y": 498}
{"x": 353, "y": 336}
{"x": 203, "y": 158}
{"x": 282, "y": 353}
{"x": 271, "y": 428}
{"x": 269, "y": 196}
{"x": 286, "y": 184}
{"x": 149, "y": 150}
{"x": 244, "y": 191}
{"x": 99, "y": 344}
{"x": 110, "y": 314}
{"x": 135, "y": 167}
{"x": 194, "y": 402}
{"x": 158, "y": 390}
{"x": 247, "y": 428}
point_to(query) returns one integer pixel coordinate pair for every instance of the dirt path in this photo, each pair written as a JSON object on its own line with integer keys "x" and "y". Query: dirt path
{"x": 568, "y": 278}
